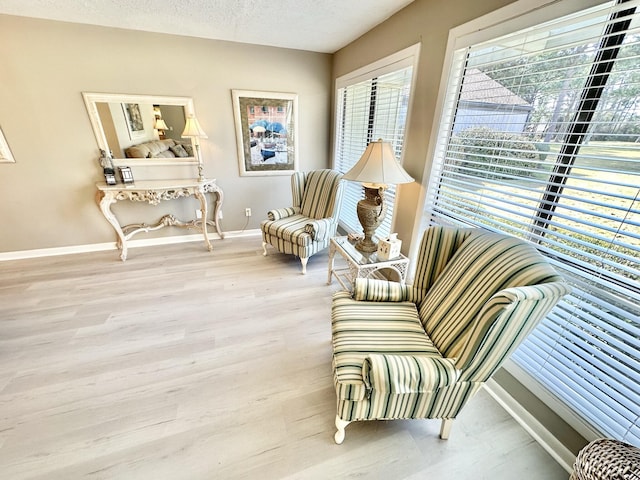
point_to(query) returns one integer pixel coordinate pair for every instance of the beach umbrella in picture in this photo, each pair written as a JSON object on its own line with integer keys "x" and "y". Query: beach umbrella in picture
{"x": 258, "y": 129}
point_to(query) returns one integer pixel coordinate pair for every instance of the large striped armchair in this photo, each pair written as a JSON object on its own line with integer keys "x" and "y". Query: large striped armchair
{"x": 305, "y": 228}
{"x": 424, "y": 350}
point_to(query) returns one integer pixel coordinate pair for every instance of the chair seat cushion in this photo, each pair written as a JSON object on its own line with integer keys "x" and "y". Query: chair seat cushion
{"x": 363, "y": 328}
{"x": 290, "y": 229}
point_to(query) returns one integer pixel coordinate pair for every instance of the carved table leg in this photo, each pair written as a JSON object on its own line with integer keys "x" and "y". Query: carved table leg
{"x": 203, "y": 208}
{"x": 218, "y": 207}
{"x": 105, "y": 201}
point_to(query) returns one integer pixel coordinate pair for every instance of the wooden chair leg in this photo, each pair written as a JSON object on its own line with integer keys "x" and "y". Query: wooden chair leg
{"x": 304, "y": 264}
{"x": 264, "y": 249}
{"x": 340, "y": 425}
{"x": 445, "y": 428}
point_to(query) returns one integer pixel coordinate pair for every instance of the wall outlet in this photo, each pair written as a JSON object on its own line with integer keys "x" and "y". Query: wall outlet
{"x": 220, "y": 216}
{"x": 198, "y": 214}
{"x": 247, "y": 212}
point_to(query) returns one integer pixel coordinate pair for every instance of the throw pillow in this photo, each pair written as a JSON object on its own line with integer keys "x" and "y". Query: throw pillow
{"x": 188, "y": 148}
{"x": 179, "y": 151}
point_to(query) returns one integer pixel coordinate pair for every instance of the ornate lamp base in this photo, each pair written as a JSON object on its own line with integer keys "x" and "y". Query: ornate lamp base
{"x": 371, "y": 211}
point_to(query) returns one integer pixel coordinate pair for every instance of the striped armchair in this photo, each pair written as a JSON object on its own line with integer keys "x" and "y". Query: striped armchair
{"x": 305, "y": 228}
{"x": 424, "y": 350}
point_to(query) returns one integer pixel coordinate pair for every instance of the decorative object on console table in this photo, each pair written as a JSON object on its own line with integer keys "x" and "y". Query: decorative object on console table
{"x": 193, "y": 130}
{"x": 125, "y": 174}
{"x": 106, "y": 162}
{"x": 266, "y": 132}
{"x": 376, "y": 169}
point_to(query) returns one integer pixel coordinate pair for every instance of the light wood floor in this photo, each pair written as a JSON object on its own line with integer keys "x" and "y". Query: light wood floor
{"x": 185, "y": 364}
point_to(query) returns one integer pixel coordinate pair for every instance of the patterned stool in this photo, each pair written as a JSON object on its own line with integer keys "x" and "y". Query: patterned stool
{"x": 607, "y": 459}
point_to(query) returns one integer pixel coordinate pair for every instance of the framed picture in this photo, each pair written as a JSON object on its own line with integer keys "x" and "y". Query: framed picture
{"x": 133, "y": 118}
{"x": 5, "y": 152}
{"x": 266, "y": 132}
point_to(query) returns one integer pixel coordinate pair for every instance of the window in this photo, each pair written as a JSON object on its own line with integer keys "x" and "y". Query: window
{"x": 371, "y": 104}
{"x": 540, "y": 139}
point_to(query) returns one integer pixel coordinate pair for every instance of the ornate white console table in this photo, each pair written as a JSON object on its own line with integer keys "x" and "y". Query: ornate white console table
{"x": 154, "y": 192}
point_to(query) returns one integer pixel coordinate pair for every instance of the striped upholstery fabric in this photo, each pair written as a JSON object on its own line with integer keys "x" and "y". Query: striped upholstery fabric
{"x": 445, "y": 402}
{"x": 320, "y": 230}
{"x": 438, "y": 245}
{"x": 484, "y": 264}
{"x": 290, "y": 229}
{"x": 306, "y": 228}
{"x": 407, "y": 373}
{"x": 319, "y": 189}
{"x": 374, "y": 290}
{"x": 362, "y": 328}
{"x": 422, "y": 351}
{"x": 279, "y": 213}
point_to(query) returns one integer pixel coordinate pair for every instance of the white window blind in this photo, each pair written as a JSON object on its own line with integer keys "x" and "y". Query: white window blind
{"x": 369, "y": 109}
{"x": 540, "y": 139}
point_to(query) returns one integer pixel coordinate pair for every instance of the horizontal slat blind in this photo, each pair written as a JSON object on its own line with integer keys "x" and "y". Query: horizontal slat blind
{"x": 541, "y": 140}
{"x": 368, "y": 110}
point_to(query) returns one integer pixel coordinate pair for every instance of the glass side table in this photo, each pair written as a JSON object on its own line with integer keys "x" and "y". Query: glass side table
{"x": 360, "y": 264}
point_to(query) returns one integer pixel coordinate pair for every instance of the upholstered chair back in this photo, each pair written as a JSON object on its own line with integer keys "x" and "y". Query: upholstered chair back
{"x": 471, "y": 305}
{"x": 307, "y": 226}
{"x": 318, "y": 196}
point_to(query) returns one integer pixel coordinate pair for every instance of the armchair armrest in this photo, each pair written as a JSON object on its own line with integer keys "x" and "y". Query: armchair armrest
{"x": 279, "y": 213}
{"x": 320, "y": 229}
{"x": 374, "y": 290}
{"x": 400, "y": 374}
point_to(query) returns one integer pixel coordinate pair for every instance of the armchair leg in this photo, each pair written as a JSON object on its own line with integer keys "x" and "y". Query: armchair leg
{"x": 445, "y": 428}
{"x": 264, "y": 249}
{"x": 340, "y": 425}
{"x": 304, "y": 264}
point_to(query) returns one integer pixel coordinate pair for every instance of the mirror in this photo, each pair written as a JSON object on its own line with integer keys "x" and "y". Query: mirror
{"x": 143, "y": 129}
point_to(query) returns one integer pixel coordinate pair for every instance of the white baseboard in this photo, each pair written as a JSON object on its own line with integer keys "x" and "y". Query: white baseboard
{"x": 551, "y": 444}
{"x": 98, "y": 247}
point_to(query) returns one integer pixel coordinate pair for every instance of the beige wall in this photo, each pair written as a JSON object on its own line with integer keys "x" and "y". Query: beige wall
{"x": 426, "y": 22}
{"x": 47, "y": 196}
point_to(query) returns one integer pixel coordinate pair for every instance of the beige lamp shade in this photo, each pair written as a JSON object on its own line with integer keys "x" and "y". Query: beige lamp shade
{"x": 160, "y": 125}
{"x": 376, "y": 169}
{"x": 193, "y": 129}
{"x": 378, "y": 165}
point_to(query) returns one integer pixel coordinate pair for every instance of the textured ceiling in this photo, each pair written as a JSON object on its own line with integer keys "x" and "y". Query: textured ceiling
{"x": 315, "y": 25}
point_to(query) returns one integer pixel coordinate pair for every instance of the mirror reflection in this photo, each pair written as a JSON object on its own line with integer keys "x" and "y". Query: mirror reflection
{"x": 141, "y": 127}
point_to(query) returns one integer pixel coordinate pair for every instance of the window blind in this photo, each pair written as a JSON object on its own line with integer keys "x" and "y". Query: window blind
{"x": 540, "y": 139}
{"x": 367, "y": 110}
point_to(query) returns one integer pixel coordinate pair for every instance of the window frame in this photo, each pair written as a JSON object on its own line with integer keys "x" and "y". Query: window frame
{"x": 512, "y": 18}
{"x": 407, "y": 57}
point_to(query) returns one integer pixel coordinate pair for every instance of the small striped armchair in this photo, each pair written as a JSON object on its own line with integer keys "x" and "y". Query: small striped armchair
{"x": 424, "y": 350}
{"x": 305, "y": 228}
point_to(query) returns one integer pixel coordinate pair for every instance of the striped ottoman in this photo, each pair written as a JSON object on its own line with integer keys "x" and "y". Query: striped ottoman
{"x": 607, "y": 459}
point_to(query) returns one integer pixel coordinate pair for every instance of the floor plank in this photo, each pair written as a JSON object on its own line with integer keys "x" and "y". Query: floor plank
{"x": 185, "y": 364}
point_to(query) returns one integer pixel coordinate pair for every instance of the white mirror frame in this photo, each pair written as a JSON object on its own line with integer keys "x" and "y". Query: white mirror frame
{"x": 92, "y": 99}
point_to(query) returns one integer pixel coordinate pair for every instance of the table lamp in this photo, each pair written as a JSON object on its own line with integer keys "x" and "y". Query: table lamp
{"x": 193, "y": 130}
{"x": 376, "y": 169}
